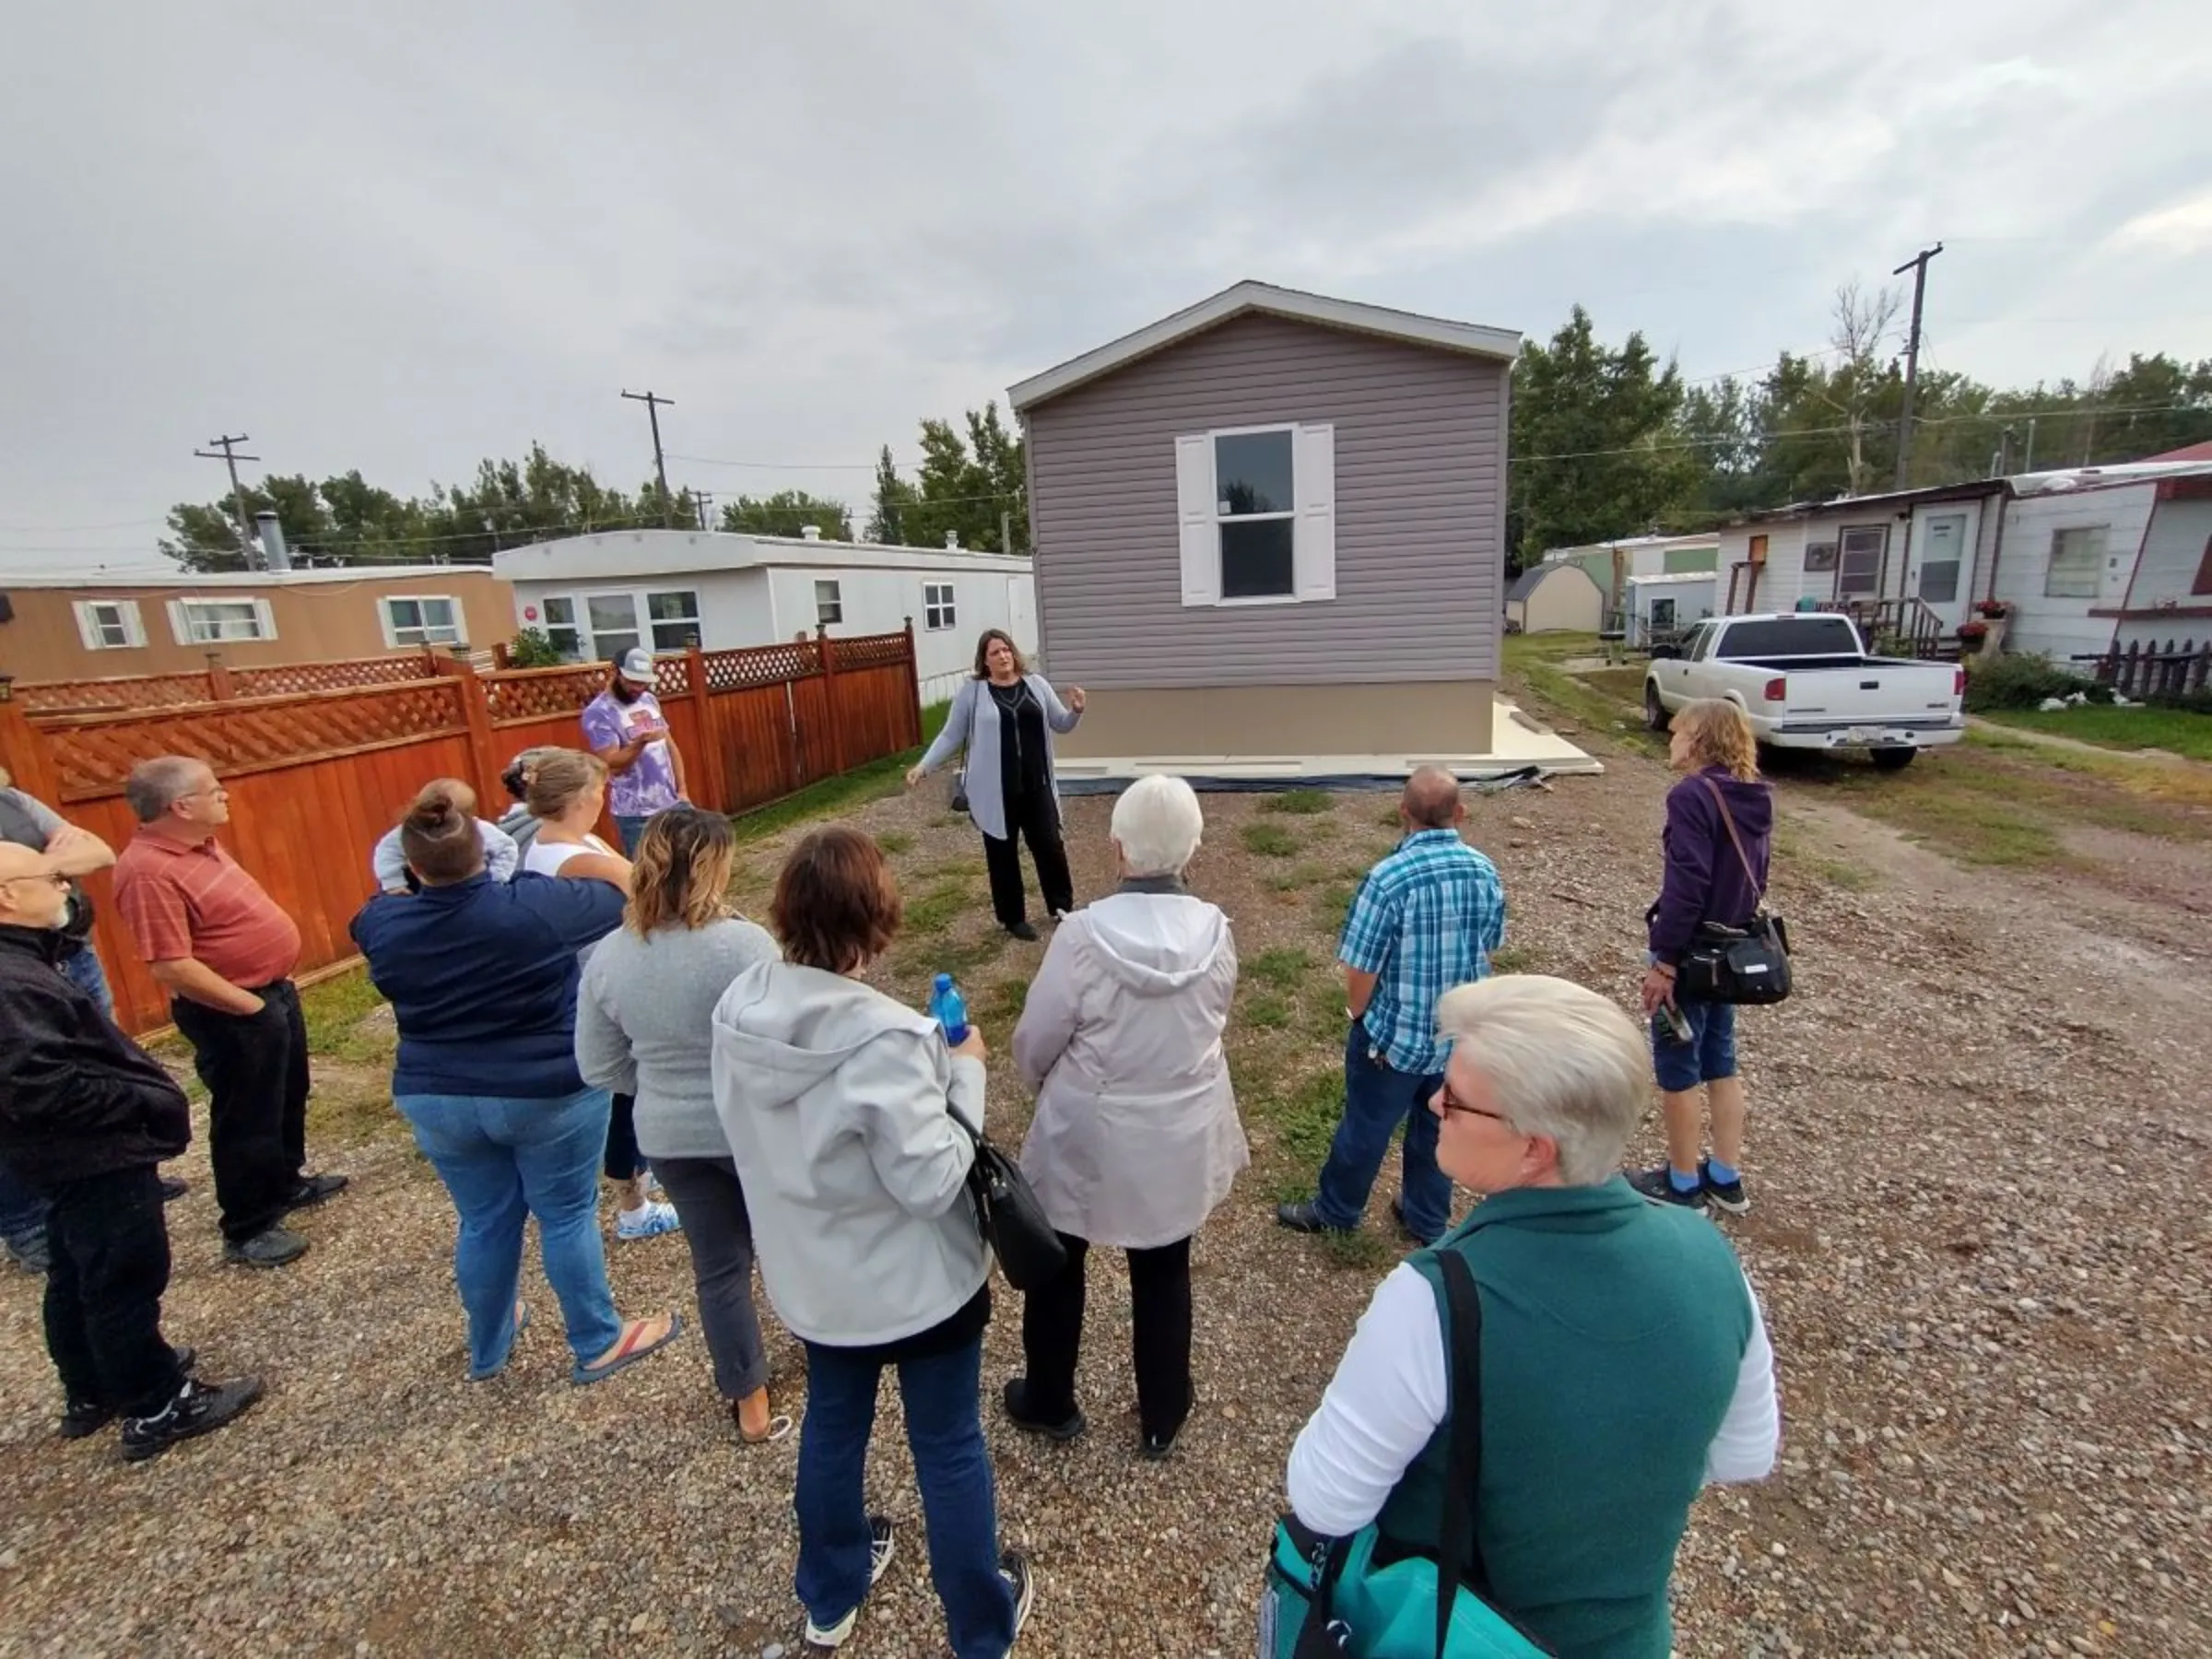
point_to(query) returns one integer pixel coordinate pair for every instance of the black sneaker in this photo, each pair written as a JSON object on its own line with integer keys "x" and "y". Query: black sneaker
{"x": 83, "y": 1418}
{"x": 1724, "y": 1195}
{"x": 1659, "y": 1186}
{"x": 173, "y": 1189}
{"x": 1014, "y": 1567}
{"x": 1022, "y": 930}
{"x": 1017, "y": 1401}
{"x": 313, "y": 1190}
{"x": 199, "y": 1409}
{"x": 1304, "y": 1216}
{"x": 271, "y": 1247}
{"x": 881, "y": 1545}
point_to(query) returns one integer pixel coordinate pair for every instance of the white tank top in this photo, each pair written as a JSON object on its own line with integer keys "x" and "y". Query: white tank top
{"x": 543, "y": 857}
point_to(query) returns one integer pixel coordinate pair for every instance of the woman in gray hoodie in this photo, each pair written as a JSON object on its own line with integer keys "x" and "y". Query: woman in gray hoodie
{"x": 837, "y": 1102}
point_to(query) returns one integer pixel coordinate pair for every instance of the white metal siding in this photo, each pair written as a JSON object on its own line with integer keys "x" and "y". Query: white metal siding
{"x": 2063, "y": 629}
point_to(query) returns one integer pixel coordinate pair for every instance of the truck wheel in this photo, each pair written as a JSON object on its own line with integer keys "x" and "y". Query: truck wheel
{"x": 1654, "y": 711}
{"x": 1894, "y": 759}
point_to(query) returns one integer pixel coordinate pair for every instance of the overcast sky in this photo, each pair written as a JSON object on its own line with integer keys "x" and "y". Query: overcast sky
{"x": 402, "y": 236}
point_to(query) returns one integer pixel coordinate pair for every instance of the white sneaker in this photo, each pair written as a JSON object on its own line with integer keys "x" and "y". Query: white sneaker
{"x": 880, "y": 1546}
{"x": 1014, "y": 1568}
{"x": 649, "y": 1222}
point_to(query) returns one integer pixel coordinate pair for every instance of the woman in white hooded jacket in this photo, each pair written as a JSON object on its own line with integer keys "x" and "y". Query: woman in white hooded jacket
{"x": 835, "y": 1104}
{"x": 1135, "y": 1138}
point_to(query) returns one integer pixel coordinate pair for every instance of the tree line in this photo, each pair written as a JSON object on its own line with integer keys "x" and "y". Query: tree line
{"x": 1606, "y": 442}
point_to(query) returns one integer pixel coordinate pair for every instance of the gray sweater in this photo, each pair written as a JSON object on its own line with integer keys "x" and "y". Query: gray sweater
{"x": 644, "y": 1026}
{"x": 972, "y": 722}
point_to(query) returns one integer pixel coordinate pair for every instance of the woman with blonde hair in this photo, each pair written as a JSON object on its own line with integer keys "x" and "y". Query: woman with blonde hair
{"x": 1720, "y": 823}
{"x": 567, "y": 793}
{"x": 645, "y": 1025}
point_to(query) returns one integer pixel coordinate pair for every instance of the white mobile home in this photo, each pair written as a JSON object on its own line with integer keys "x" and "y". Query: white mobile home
{"x": 1610, "y": 564}
{"x": 1660, "y": 604}
{"x": 2092, "y": 560}
{"x": 596, "y": 595}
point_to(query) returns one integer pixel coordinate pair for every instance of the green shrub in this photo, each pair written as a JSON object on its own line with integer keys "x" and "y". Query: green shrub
{"x": 2022, "y": 679}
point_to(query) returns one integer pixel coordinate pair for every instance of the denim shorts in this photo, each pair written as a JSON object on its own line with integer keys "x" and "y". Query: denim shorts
{"x": 1709, "y": 1055}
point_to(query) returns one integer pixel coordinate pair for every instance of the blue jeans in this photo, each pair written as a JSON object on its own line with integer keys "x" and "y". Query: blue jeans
{"x": 1707, "y": 1057}
{"x": 1378, "y": 1098}
{"x": 945, "y": 1429}
{"x": 504, "y": 1160}
{"x": 82, "y": 970}
{"x": 629, "y": 828}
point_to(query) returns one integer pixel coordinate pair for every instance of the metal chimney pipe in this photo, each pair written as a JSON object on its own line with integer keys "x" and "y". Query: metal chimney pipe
{"x": 275, "y": 555}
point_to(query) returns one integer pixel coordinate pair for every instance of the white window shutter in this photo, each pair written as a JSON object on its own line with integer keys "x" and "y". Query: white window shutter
{"x": 179, "y": 623}
{"x": 88, "y": 625}
{"x": 384, "y": 620}
{"x": 1314, "y": 542}
{"x": 266, "y": 619}
{"x": 134, "y": 628}
{"x": 1195, "y": 515}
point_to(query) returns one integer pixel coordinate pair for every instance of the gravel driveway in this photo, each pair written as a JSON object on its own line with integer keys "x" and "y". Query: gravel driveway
{"x": 1979, "y": 1159}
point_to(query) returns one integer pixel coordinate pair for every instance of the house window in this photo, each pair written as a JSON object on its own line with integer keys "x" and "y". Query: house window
{"x": 220, "y": 621}
{"x": 1255, "y": 508}
{"x": 613, "y": 621}
{"x": 1258, "y": 509}
{"x": 829, "y": 604}
{"x": 675, "y": 617}
{"x": 2076, "y": 563}
{"x": 1859, "y": 560}
{"x": 561, "y": 630}
{"x": 1662, "y": 616}
{"x": 424, "y": 620}
{"x": 2203, "y": 584}
{"x": 110, "y": 624}
{"x": 937, "y": 605}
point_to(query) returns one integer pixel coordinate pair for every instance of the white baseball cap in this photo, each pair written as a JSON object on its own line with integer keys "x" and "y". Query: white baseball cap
{"x": 636, "y": 665}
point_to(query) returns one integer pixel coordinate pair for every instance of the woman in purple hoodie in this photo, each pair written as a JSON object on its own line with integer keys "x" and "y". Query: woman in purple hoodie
{"x": 1693, "y": 1042}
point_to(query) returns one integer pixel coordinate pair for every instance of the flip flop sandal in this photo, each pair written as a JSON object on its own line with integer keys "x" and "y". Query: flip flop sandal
{"x": 627, "y": 1353}
{"x": 521, "y": 1323}
{"x": 777, "y": 1427}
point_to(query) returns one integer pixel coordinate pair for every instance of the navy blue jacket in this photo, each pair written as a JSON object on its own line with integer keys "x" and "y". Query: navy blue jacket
{"x": 1705, "y": 880}
{"x": 482, "y": 977}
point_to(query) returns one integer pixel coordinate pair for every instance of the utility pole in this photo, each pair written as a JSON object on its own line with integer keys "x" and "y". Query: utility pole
{"x": 654, "y": 403}
{"x": 702, "y": 500}
{"x": 224, "y": 451}
{"x": 1005, "y": 530}
{"x": 1918, "y": 265}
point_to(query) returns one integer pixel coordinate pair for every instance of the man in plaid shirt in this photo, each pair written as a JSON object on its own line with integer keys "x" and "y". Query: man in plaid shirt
{"x": 1426, "y": 919}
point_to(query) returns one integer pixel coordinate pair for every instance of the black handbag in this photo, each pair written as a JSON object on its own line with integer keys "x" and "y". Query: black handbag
{"x": 1748, "y": 964}
{"x": 1008, "y": 1216}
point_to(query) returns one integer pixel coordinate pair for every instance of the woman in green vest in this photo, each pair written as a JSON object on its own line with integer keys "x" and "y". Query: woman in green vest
{"x": 1624, "y": 1362}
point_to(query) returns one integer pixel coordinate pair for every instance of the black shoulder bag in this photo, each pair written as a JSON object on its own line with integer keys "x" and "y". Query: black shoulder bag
{"x": 1748, "y": 964}
{"x": 1007, "y": 1215}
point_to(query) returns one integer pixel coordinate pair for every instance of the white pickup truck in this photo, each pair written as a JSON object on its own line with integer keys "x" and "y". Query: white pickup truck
{"x": 1805, "y": 680}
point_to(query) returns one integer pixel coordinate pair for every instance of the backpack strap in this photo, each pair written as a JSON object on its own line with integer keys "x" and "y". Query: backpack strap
{"x": 1456, "y": 1541}
{"x": 1728, "y": 817}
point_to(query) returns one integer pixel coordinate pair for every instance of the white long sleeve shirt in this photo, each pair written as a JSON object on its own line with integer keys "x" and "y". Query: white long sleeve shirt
{"x": 1393, "y": 1390}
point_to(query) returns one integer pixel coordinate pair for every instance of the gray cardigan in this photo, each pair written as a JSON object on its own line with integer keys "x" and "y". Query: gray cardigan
{"x": 975, "y": 721}
{"x": 644, "y": 1026}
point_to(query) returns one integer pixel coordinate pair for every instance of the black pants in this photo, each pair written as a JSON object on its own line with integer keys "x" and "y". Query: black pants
{"x": 103, "y": 1292}
{"x": 256, "y": 1069}
{"x": 623, "y": 1161}
{"x": 1036, "y": 820}
{"x": 1160, "y": 1296}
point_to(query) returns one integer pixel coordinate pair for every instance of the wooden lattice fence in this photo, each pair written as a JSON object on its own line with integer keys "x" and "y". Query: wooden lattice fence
{"x": 317, "y": 774}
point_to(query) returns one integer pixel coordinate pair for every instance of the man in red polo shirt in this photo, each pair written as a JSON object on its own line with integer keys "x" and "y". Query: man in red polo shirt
{"x": 224, "y": 950}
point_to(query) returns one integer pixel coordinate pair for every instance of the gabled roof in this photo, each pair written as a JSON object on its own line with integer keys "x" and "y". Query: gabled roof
{"x": 2194, "y": 452}
{"x": 1266, "y": 299}
{"x": 1530, "y": 580}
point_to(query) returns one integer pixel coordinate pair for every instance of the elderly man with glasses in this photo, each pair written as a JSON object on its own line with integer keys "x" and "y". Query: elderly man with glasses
{"x": 225, "y": 950}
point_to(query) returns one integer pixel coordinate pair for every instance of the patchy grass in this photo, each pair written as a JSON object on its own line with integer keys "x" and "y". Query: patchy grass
{"x": 937, "y": 909}
{"x": 334, "y": 1011}
{"x": 351, "y": 1103}
{"x": 1793, "y": 850}
{"x": 1512, "y": 958}
{"x": 2176, "y": 731}
{"x": 1606, "y": 700}
{"x": 895, "y": 842}
{"x": 1003, "y": 1003}
{"x": 1268, "y": 1011}
{"x": 1284, "y": 968}
{"x": 1299, "y": 803}
{"x": 834, "y": 796}
{"x": 1299, "y": 878}
{"x": 1269, "y": 841}
{"x": 1332, "y": 905}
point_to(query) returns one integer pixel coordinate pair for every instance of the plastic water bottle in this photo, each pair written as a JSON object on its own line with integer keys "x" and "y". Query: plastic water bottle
{"x": 951, "y": 1009}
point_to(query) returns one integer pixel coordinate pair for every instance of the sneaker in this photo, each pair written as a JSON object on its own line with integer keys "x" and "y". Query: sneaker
{"x": 1724, "y": 1195}
{"x": 313, "y": 1190}
{"x": 82, "y": 1418}
{"x": 271, "y": 1247}
{"x": 1303, "y": 1216}
{"x": 173, "y": 1189}
{"x": 199, "y": 1409}
{"x": 880, "y": 1546}
{"x": 1022, "y": 930}
{"x": 1659, "y": 1186}
{"x": 1014, "y": 1567}
{"x": 650, "y": 1222}
{"x": 1017, "y": 1401}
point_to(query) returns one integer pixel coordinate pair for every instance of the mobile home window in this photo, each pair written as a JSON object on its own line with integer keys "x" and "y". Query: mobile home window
{"x": 613, "y": 619}
{"x": 560, "y": 627}
{"x": 1859, "y": 560}
{"x": 2077, "y": 562}
{"x": 1663, "y": 615}
{"x": 829, "y": 604}
{"x": 1255, "y": 509}
{"x": 425, "y": 620}
{"x": 110, "y": 624}
{"x": 675, "y": 617}
{"x": 937, "y": 605}
{"x": 220, "y": 621}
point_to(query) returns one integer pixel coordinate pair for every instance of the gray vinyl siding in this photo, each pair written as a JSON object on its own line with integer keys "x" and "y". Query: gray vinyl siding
{"x": 1421, "y": 446}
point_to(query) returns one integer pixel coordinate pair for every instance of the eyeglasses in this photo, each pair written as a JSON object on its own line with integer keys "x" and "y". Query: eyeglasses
{"x": 1453, "y": 1104}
